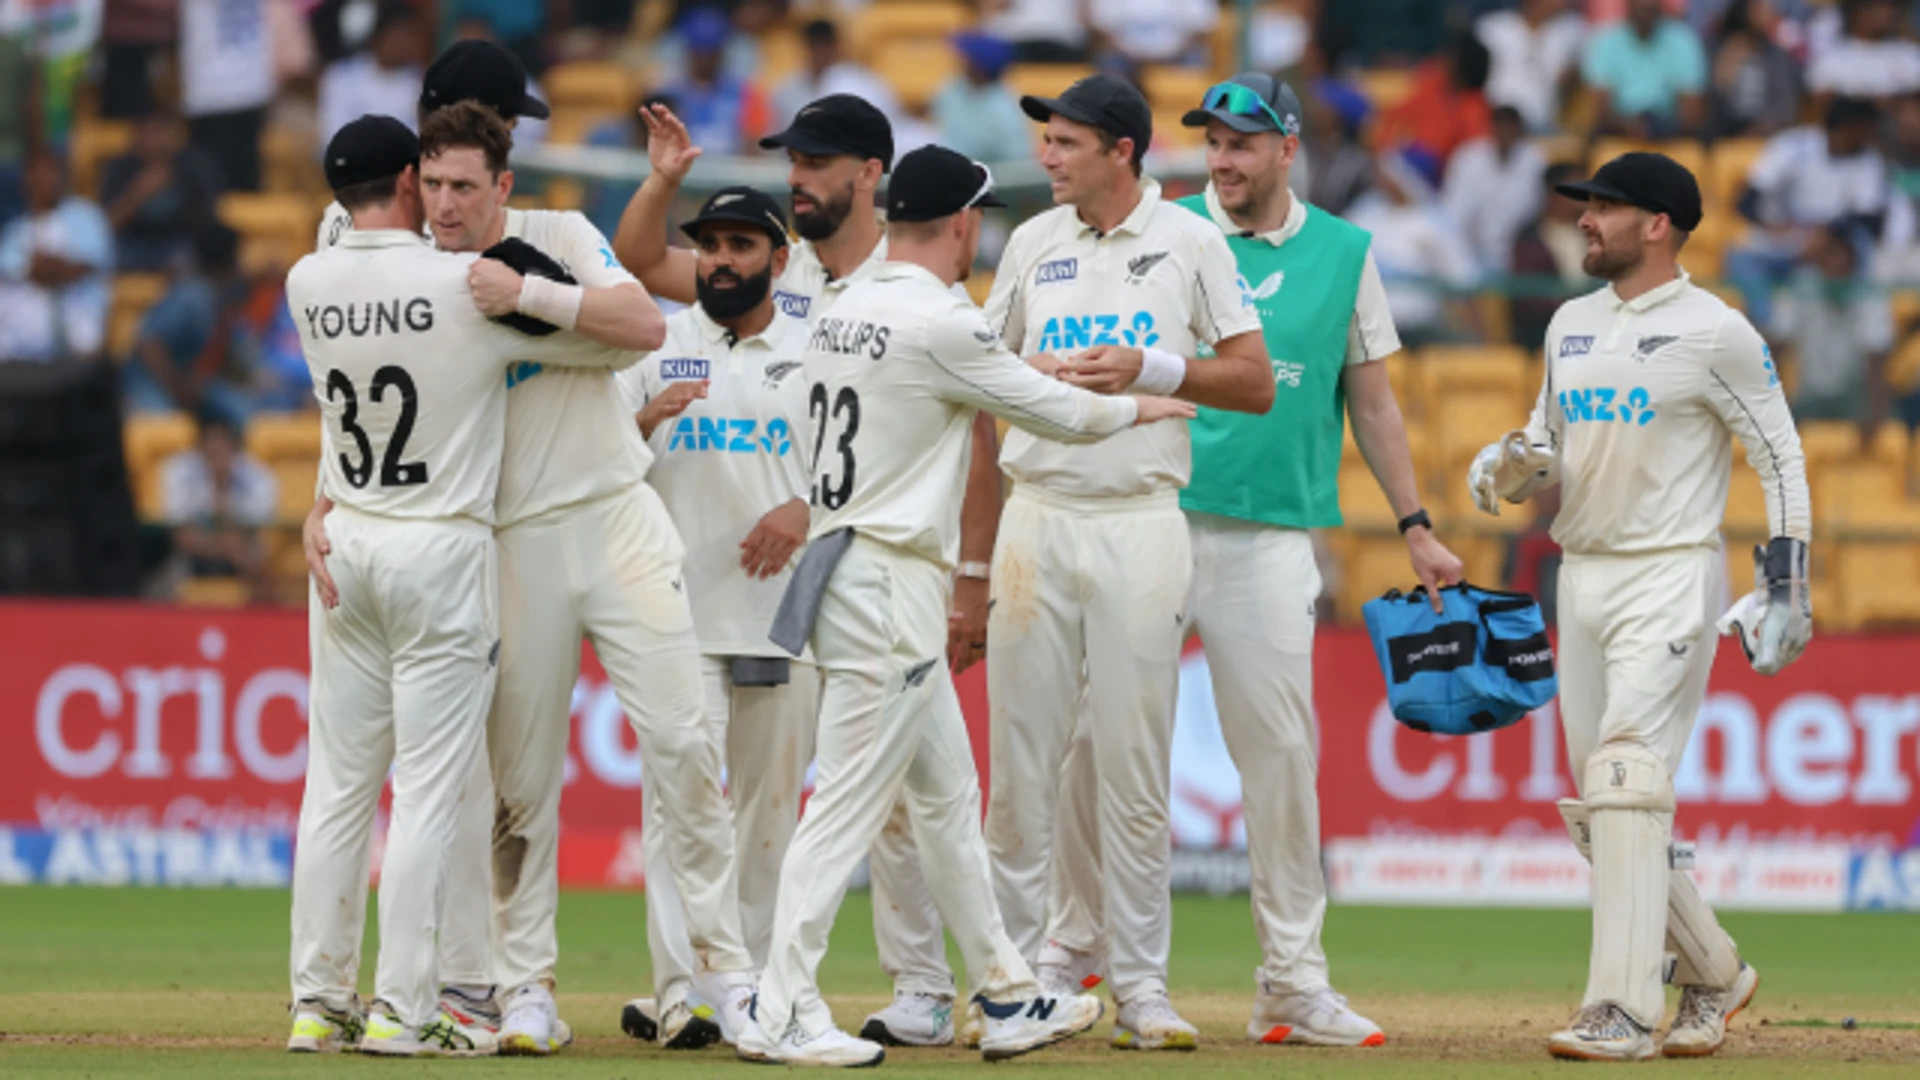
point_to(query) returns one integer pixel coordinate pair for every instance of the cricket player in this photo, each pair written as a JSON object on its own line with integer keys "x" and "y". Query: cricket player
{"x": 723, "y": 405}
{"x": 840, "y": 147}
{"x": 1119, "y": 291}
{"x": 898, "y": 367}
{"x": 1646, "y": 380}
{"x": 1259, "y": 483}
{"x": 587, "y": 550}
{"x": 411, "y": 379}
{"x": 484, "y": 72}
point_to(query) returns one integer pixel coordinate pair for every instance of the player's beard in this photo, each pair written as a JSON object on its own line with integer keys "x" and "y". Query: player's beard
{"x": 726, "y": 305}
{"x": 826, "y": 217}
{"x": 1612, "y": 262}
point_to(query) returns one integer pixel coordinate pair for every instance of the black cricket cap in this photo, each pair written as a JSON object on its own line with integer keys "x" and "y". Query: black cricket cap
{"x": 528, "y": 261}
{"x": 1104, "y": 101}
{"x": 741, "y": 205}
{"x": 838, "y": 124}
{"x": 1650, "y": 181}
{"x": 933, "y": 182}
{"x": 484, "y": 72}
{"x": 370, "y": 148}
{"x": 1278, "y": 96}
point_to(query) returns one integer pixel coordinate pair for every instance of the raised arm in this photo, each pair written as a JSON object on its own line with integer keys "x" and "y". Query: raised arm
{"x": 641, "y": 239}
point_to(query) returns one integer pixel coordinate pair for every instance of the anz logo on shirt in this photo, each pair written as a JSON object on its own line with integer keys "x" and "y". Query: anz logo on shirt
{"x": 1085, "y": 331}
{"x": 722, "y": 435}
{"x": 521, "y": 372}
{"x": 1605, "y": 404}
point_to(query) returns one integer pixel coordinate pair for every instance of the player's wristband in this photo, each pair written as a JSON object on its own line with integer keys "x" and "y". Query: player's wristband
{"x": 1161, "y": 372}
{"x": 1418, "y": 518}
{"x": 978, "y": 571}
{"x": 550, "y": 301}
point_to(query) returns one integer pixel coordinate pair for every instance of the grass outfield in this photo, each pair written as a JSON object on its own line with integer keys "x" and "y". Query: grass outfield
{"x": 190, "y": 983}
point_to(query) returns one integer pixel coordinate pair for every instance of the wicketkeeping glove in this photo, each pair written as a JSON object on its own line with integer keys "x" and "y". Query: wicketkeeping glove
{"x": 527, "y": 259}
{"x": 1775, "y": 621}
{"x": 1511, "y": 469}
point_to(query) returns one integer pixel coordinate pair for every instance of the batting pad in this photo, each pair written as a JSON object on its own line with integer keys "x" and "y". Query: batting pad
{"x": 1705, "y": 955}
{"x": 1630, "y": 819}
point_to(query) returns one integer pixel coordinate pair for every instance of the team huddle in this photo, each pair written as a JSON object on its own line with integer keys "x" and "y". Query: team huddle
{"x": 778, "y": 517}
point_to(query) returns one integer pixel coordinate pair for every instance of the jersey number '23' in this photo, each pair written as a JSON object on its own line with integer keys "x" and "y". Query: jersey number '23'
{"x": 846, "y": 406}
{"x": 393, "y": 471}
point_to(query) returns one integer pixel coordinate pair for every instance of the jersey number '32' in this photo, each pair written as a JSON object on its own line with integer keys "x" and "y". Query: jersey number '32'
{"x": 846, "y": 406}
{"x": 393, "y": 471}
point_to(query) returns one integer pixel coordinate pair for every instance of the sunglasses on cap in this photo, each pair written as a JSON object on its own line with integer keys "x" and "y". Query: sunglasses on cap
{"x": 1242, "y": 101}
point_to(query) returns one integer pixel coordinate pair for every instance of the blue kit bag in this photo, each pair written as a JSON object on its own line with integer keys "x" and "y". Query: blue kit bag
{"x": 1481, "y": 665}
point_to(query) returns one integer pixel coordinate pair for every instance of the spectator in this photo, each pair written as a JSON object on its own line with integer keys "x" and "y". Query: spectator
{"x": 226, "y": 84}
{"x": 1756, "y": 86}
{"x": 827, "y": 72}
{"x": 217, "y": 500}
{"x": 266, "y": 342}
{"x": 1806, "y": 178}
{"x": 515, "y": 24}
{"x": 1534, "y": 54}
{"x": 1841, "y": 330}
{"x": 1337, "y": 169}
{"x": 1904, "y": 146}
{"x": 133, "y": 33}
{"x": 60, "y": 37}
{"x": 158, "y": 195}
{"x": 976, "y": 113}
{"x": 1647, "y": 74}
{"x": 741, "y": 56}
{"x": 1448, "y": 105}
{"x": 1871, "y": 59}
{"x": 182, "y": 359}
{"x": 1130, "y": 33}
{"x": 383, "y": 80}
{"x": 723, "y": 114}
{"x": 56, "y": 265}
{"x": 1493, "y": 189}
{"x": 1379, "y": 33}
{"x": 1422, "y": 257}
{"x": 1548, "y": 260}
{"x": 1279, "y": 36}
{"x": 1042, "y": 31}
{"x": 18, "y": 106}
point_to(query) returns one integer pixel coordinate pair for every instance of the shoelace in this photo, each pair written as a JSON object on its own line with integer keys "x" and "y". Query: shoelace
{"x": 1155, "y": 1011}
{"x": 1327, "y": 999}
{"x": 1604, "y": 1021}
{"x": 1698, "y": 1005}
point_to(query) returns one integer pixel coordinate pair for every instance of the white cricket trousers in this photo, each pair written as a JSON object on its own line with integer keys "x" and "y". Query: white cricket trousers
{"x": 1637, "y": 640}
{"x": 766, "y": 733}
{"x": 889, "y": 721}
{"x": 1252, "y": 605}
{"x": 402, "y": 677}
{"x": 608, "y": 570}
{"x": 1096, "y": 586}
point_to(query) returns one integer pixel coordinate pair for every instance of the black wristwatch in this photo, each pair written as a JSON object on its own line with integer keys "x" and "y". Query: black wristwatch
{"x": 1418, "y": 517}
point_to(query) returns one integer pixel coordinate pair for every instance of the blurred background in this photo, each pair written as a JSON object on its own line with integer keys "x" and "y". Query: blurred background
{"x": 159, "y": 172}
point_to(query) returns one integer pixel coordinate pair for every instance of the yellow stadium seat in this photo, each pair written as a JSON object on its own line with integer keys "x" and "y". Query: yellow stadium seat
{"x": 1373, "y": 565}
{"x": 227, "y": 592}
{"x": 1829, "y": 441}
{"x": 1468, "y": 420}
{"x": 90, "y": 144}
{"x": 1880, "y": 583}
{"x": 133, "y": 294}
{"x": 1746, "y": 516}
{"x": 1403, "y": 374}
{"x": 149, "y": 439}
{"x": 1727, "y": 167}
{"x": 297, "y": 478}
{"x": 1890, "y": 444}
{"x": 980, "y": 286}
{"x": 289, "y": 160}
{"x": 880, "y": 26}
{"x": 1175, "y": 89}
{"x": 1868, "y": 495}
{"x": 276, "y": 230}
{"x": 274, "y": 437}
{"x": 1362, "y": 504}
{"x": 570, "y": 126}
{"x": 917, "y": 68}
{"x": 1169, "y": 132}
{"x": 1386, "y": 87}
{"x": 1450, "y": 369}
{"x": 782, "y": 52}
{"x": 592, "y": 84}
{"x": 1045, "y": 80}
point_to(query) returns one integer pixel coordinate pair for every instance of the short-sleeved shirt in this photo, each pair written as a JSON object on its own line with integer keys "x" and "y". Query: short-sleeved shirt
{"x": 1162, "y": 278}
{"x": 1800, "y": 183}
{"x": 1870, "y": 69}
{"x": 726, "y": 461}
{"x": 188, "y": 495}
{"x": 1646, "y": 76}
{"x": 183, "y": 320}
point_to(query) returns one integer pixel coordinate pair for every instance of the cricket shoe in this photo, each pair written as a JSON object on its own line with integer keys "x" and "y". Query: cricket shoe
{"x": 1061, "y": 971}
{"x": 532, "y": 1026}
{"x": 442, "y": 1036}
{"x": 1700, "y": 1025}
{"x": 471, "y": 1011}
{"x": 974, "y": 1027}
{"x": 914, "y": 1019}
{"x": 727, "y": 998}
{"x": 1149, "y": 1023}
{"x": 1317, "y": 1018}
{"x": 640, "y": 1019}
{"x": 1602, "y": 1032}
{"x": 830, "y": 1048}
{"x": 321, "y": 1029}
{"x": 1020, "y": 1027}
{"x": 683, "y": 1027}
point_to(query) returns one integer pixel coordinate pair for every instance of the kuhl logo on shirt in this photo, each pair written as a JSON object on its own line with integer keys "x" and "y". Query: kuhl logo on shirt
{"x": 792, "y": 304}
{"x": 685, "y": 367}
{"x": 1085, "y": 331}
{"x": 730, "y": 436}
{"x": 1579, "y": 345}
{"x": 1057, "y": 270}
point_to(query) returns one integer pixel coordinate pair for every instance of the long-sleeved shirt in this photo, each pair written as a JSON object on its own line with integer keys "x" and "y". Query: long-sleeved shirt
{"x": 899, "y": 366}
{"x": 1639, "y": 400}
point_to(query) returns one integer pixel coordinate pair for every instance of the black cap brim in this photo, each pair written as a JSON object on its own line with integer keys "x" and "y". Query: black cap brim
{"x": 1044, "y": 108}
{"x": 1587, "y": 190}
{"x": 989, "y": 201}
{"x": 801, "y": 142}
{"x": 1246, "y": 125}
{"x": 692, "y": 228}
{"x": 533, "y": 108}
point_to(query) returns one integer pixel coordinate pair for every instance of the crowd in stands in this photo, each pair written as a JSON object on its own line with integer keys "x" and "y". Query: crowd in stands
{"x": 129, "y": 128}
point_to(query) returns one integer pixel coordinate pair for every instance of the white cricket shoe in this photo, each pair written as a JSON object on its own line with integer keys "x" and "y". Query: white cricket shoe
{"x": 726, "y": 999}
{"x": 1149, "y": 1023}
{"x": 1061, "y": 971}
{"x": 318, "y": 1028}
{"x": 1019, "y": 1027}
{"x": 1318, "y": 1018}
{"x": 442, "y": 1036}
{"x": 914, "y": 1019}
{"x": 830, "y": 1048}
{"x": 1602, "y": 1032}
{"x": 1700, "y": 1025}
{"x": 974, "y": 1028}
{"x": 640, "y": 1019}
{"x": 472, "y": 1011}
{"x": 532, "y": 1026}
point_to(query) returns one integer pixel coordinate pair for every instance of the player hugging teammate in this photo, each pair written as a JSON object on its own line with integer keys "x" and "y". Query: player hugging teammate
{"x": 780, "y": 526}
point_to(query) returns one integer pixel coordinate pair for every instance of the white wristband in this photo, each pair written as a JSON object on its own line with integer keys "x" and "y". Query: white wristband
{"x": 1161, "y": 372}
{"x": 550, "y": 301}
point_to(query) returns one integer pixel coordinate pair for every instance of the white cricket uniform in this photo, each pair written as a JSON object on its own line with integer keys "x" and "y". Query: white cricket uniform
{"x": 898, "y": 368}
{"x": 1255, "y": 587}
{"x": 1093, "y": 567}
{"x": 1639, "y": 398}
{"x": 411, "y": 383}
{"x": 719, "y": 467}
